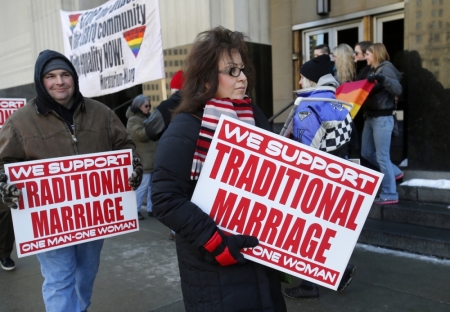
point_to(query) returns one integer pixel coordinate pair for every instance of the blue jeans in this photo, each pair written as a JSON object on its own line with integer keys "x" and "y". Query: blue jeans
{"x": 375, "y": 148}
{"x": 144, "y": 188}
{"x": 69, "y": 275}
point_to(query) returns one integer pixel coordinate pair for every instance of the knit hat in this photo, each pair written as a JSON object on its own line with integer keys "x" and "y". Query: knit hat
{"x": 177, "y": 80}
{"x": 317, "y": 67}
{"x": 57, "y": 63}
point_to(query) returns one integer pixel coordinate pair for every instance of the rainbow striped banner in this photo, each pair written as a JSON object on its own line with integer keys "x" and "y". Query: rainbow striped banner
{"x": 355, "y": 92}
{"x": 73, "y": 19}
{"x": 134, "y": 38}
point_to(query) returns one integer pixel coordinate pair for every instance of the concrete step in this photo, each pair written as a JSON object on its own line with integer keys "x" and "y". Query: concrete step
{"x": 410, "y": 212}
{"x": 407, "y": 237}
{"x": 424, "y": 194}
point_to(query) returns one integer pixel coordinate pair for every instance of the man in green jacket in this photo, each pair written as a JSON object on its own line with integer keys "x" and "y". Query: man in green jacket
{"x": 61, "y": 122}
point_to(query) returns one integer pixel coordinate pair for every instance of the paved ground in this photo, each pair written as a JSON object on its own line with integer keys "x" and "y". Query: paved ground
{"x": 139, "y": 272}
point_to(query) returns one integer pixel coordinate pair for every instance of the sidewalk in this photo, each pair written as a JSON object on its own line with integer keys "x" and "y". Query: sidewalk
{"x": 139, "y": 272}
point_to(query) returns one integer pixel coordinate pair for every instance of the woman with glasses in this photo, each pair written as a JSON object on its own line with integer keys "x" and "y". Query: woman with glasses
{"x": 362, "y": 69}
{"x": 214, "y": 274}
{"x": 379, "y": 120}
{"x": 138, "y": 111}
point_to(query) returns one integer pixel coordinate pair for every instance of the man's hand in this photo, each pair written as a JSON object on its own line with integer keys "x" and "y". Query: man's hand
{"x": 136, "y": 176}
{"x": 226, "y": 250}
{"x": 378, "y": 78}
{"x": 9, "y": 192}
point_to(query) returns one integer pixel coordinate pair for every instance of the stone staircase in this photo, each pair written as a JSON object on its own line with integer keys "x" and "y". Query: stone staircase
{"x": 419, "y": 223}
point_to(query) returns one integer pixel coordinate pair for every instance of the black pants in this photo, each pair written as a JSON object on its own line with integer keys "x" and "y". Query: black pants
{"x": 6, "y": 231}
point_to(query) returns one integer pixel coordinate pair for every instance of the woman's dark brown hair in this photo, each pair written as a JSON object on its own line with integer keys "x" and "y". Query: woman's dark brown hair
{"x": 201, "y": 66}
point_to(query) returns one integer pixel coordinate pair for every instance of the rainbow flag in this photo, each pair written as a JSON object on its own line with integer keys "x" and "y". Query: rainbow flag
{"x": 134, "y": 38}
{"x": 355, "y": 93}
{"x": 73, "y": 18}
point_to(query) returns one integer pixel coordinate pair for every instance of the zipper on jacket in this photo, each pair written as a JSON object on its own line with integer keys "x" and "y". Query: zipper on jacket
{"x": 71, "y": 128}
{"x": 74, "y": 138}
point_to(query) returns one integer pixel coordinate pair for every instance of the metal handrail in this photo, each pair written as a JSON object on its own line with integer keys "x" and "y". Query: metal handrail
{"x": 122, "y": 105}
{"x": 271, "y": 119}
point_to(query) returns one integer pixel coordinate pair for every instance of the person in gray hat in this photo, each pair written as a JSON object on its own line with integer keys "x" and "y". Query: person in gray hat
{"x": 61, "y": 122}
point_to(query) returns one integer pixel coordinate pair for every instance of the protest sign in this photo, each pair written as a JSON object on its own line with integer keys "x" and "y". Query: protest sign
{"x": 306, "y": 207}
{"x": 71, "y": 200}
{"x": 114, "y": 46}
{"x": 9, "y": 106}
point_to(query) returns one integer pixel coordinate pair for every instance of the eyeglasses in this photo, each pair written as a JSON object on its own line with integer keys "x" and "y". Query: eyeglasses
{"x": 236, "y": 71}
{"x": 146, "y": 106}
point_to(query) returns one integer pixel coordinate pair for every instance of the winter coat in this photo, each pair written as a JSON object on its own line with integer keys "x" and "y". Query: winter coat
{"x": 145, "y": 147}
{"x": 159, "y": 120}
{"x": 29, "y": 135}
{"x": 205, "y": 286}
{"x": 320, "y": 124}
{"x": 381, "y": 100}
{"x": 362, "y": 70}
{"x": 45, "y": 129}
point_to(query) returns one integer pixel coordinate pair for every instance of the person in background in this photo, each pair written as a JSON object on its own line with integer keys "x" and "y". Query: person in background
{"x": 345, "y": 71}
{"x": 6, "y": 234}
{"x": 362, "y": 69}
{"x": 379, "y": 120}
{"x": 344, "y": 64}
{"x": 317, "y": 124}
{"x": 214, "y": 274}
{"x": 138, "y": 111}
{"x": 159, "y": 120}
{"x": 61, "y": 122}
{"x": 324, "y": 49}
{"x": 321, "y": 49}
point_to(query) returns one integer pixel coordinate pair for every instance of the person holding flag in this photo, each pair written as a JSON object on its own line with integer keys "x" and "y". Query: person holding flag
{"x": 325, "y": 125}
{"x": 379, "y": 109}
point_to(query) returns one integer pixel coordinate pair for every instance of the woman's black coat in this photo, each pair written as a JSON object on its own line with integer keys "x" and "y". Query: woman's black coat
{"x": 205, "y": 286}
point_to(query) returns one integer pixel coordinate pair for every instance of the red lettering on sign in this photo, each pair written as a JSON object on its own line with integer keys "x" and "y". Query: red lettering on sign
{"x": 68, "y": 218}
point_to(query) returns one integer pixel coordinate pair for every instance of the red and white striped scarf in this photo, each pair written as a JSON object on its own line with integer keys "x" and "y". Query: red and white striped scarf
{"x": 214, "y": 108}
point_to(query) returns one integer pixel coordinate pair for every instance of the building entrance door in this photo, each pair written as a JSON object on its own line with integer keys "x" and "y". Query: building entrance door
{"x": 388, "y": 29}
{"x": 349, "y": 33}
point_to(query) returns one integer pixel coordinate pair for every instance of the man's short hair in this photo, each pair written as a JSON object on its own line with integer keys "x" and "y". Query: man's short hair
{"x": 324, "y": 48}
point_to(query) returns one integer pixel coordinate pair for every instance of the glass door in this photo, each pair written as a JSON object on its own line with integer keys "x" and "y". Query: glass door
{"x": 313, "y": 39}
{"x": 388, "y": 28}
{"x": 349, "y": 33}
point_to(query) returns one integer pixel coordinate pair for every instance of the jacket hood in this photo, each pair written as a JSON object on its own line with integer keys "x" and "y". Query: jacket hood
{"x": 325, "y": 83}
{"x": 43, "y": 100}
{"x": 328, "y": 80}
{"x": 315, "y": 91}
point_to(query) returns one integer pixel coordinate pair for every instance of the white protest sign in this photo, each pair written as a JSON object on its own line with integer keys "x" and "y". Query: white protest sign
{"x": 9, "y": 106}
{"x": 71, "y": 200}
{"x": 306, "y": 207}
{"x": 114, "y": 46}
